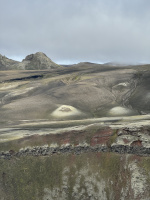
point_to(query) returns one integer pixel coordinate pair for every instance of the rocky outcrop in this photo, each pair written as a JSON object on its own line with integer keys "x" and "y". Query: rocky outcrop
{"x": 69, "y": 149}
{"x": 94, "y": 161}
{"x": 37, "y": 61}
{"x": 6, "y": 63}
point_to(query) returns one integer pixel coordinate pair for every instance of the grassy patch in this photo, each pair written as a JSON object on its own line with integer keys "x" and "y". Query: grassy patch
{"x": 112, "y": 138}
{"x": 145, "y": 164}
{"x": 27, "y": 177}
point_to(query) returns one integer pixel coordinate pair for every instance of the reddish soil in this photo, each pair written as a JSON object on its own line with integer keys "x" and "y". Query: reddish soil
{"x": 137, "y": 143}
{"x": 101, "y": 137}
{"x": 126, "y": 140}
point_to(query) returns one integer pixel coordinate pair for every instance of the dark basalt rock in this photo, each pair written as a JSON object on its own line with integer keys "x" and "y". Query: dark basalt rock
{"x": 42, "y": 151}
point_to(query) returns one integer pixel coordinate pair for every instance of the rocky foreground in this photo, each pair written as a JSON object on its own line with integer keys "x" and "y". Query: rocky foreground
{"x": 93, "y": 135}
{"x": 96, "y": 159}
{"x": 76, "y": 132}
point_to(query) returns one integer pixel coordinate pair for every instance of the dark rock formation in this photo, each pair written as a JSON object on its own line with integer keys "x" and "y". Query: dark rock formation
{"x": 38, "y": 61}
{"x": 47, "y": 151}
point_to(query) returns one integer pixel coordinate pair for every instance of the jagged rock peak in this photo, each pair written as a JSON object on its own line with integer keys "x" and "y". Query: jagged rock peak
{"x": 38, "y": 61}
{"x": 38, "y": 55}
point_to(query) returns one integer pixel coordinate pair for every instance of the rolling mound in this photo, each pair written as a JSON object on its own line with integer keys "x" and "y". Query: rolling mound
{"x": 99, "y": 91}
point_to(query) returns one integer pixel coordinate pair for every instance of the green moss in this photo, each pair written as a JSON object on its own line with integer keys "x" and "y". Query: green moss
{"x": 90, "y": 133}
{"x": 110, "y": 165}
{"x": 27, "y": 177}
{"x": 76, "y": 77}
{"x": 112, "y": 138}
{"x": 111, "y": 169}
{"x": 145, "y": 164}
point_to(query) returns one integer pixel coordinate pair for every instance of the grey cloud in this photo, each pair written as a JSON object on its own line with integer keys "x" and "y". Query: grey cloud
{"x": 81, "y": 30}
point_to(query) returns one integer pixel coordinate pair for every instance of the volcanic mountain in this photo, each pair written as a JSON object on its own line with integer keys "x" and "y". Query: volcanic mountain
{"x": 31, "y": 62}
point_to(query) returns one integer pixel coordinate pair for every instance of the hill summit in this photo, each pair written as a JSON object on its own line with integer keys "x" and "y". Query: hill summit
{"x": 37, "y": 61}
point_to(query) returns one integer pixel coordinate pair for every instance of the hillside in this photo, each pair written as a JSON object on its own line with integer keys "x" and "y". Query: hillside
{"x": 76, "y": 132}
{"x": 95, "y": 90}
{"x": 6, "y": 63}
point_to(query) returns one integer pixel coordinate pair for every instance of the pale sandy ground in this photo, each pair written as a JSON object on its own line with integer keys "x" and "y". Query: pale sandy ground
{"x": 65, "y": 111}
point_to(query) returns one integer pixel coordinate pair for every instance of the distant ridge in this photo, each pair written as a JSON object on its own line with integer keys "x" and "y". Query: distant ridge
{"x": 6, "y": 63}
{"x": 119, "y": 64}
{"x": 37, "y": 61}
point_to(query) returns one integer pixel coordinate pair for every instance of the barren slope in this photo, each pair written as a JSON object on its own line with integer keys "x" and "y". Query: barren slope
{"x": 96, "y": 91}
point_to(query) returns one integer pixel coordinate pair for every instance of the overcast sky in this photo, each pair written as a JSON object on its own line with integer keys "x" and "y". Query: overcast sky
{"x": 71, "y": 31}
